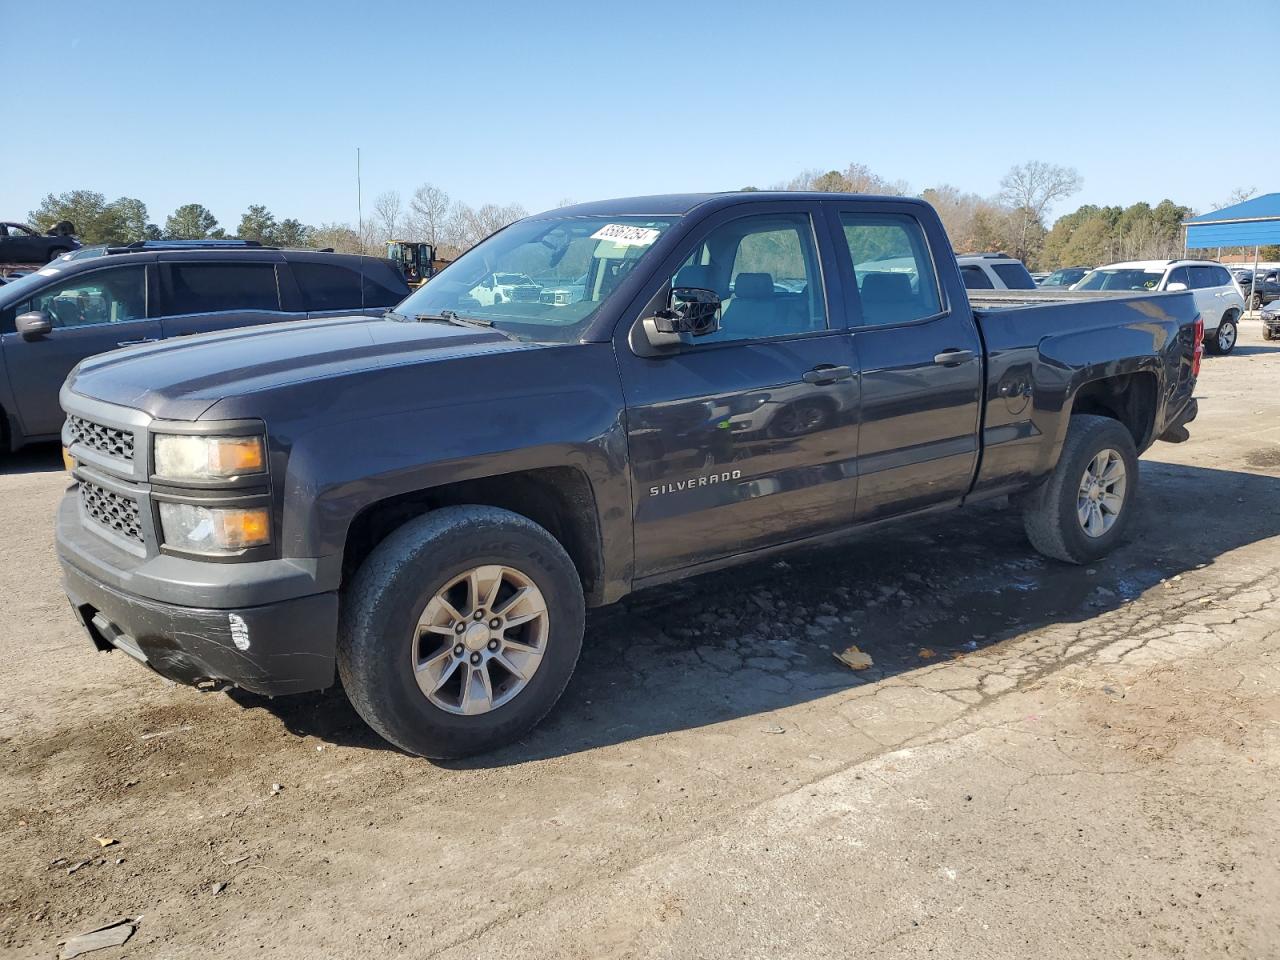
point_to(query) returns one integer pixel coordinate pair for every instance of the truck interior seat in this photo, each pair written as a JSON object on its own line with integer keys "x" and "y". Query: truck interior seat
{"x": 887, "y": 298}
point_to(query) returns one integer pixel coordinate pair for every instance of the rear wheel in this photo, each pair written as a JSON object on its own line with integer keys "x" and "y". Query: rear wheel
{"x": 1081, "y": 511}
{"x": 1255, "y": 302}
{"x": 1224, "y": 338}
{"x": 1267, "y": 333}
{"x": 460, "y": 631}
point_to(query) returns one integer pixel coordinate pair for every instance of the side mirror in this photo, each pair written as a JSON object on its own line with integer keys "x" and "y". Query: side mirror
{"x": 690, "y": 312}
{"x": 1175, "y": 286}
{"x": 33, "y": 325}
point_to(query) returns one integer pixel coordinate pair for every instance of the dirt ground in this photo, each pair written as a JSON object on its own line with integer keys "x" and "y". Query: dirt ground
{"x": 1043, "y": 761}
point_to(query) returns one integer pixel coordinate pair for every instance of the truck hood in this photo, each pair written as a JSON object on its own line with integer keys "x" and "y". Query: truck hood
{"x": 180, "y": 379}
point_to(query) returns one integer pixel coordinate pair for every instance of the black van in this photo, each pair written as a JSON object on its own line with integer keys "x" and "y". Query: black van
{"x": 101, "y": 298}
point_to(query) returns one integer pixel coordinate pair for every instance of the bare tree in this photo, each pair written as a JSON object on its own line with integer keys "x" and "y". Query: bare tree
{"x": 1030, "y": 189}
{"x": 855, "y": 178}
{"x": 387, "y": 216}
{"x": 1238, "y": 195}
{"x": 430, "y": 210}
{"x": 1035, "y": 186}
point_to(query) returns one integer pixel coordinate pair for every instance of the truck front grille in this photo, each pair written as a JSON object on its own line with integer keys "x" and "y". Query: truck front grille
{"x": 106, "y": 440}
{"x": 116, "y": 512}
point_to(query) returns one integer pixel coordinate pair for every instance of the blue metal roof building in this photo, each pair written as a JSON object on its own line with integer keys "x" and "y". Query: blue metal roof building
{"x": 1249, "y": 224}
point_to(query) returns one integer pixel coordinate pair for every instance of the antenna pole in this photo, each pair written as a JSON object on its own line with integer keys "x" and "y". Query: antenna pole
{"x": 359, "y": 204}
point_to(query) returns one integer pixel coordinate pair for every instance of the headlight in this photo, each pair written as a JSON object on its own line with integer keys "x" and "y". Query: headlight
{"x": 207, "y": 458}
{"x": 214, "y": 529}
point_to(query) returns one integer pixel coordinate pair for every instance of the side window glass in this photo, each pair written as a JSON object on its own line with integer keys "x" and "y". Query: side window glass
{"x": 1179, "y": 275}
{"x": 102, "y": 296}
{"x": 891, "y": 264}
{"x": 1221, "y": 277}
{"x": 1201, "y": 277}
{"x": 975, "y": 278}
{"x": 327, "y": 287}
{"x": 218, "y": 287}
{"x": 765, "y": 270}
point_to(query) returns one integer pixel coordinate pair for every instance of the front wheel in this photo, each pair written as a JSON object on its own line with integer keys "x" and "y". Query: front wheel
{"x": 1079, "y": 514}
{"x": 1255, "y": 302}
{"x": 1224, "y": 338}
{"x": 460, "y": 631}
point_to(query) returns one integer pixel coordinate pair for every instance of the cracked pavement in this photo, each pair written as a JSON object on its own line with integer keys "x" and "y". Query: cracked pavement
{"x": 1042, "y": 760}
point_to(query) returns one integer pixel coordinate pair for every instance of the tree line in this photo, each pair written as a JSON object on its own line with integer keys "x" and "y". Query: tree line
{"x": 1016, "y": 220}
{"x": 430, "y": 215}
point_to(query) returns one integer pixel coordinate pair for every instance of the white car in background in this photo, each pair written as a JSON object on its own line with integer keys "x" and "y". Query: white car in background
{"x": 505, "y": 288}
{"x": 1218, "y": 297}
{"x": 994, "y": 271}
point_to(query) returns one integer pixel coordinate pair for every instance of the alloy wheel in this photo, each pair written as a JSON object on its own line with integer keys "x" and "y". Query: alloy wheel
{"x": 1101, "y": 495}
{"x": 480, "y": 640}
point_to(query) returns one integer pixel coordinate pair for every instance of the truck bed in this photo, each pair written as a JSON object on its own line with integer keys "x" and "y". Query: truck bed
{"x": 988, "y": 300}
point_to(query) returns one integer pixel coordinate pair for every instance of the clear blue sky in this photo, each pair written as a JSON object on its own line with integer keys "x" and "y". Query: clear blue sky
{"x": 233, "y": 102}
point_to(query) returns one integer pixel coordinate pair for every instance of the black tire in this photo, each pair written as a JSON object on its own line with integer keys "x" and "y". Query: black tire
{"x": 381, "y": 606}
{"x": 56, "y": 252}
{"x": 1266, "y": 333}
{"x": 1255, "y": 302}
{"x": 1219, "y": 344}
{"x": 1049, "y": 513}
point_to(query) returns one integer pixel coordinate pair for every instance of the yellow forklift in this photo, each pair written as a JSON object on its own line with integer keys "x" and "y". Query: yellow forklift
{"x": 417, "y": 260}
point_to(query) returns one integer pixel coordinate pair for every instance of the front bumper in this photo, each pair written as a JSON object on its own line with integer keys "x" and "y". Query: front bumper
{"x": 271, "y": 634}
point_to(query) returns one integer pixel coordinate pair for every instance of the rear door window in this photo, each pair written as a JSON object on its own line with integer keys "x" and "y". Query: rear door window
{"x": 1015, "y": 276}
{"x": 221, "y": 287}
{"x": 1202, "y": 277}
{"x": 975, "y": 278}
{"x": 892, "y": 267}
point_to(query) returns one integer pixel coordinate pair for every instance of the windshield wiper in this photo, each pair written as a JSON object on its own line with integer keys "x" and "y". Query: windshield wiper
{"x": 451, "y": 316}
{"x": 393, "y": 315}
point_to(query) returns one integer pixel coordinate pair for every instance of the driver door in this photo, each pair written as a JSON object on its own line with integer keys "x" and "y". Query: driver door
{"x": 747, "y": 437}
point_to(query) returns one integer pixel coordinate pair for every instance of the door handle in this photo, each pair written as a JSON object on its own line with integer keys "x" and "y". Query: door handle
{"x": 134, "y": 343}
{"x": 826, "y": 373}
{"x": 952, "y": 357}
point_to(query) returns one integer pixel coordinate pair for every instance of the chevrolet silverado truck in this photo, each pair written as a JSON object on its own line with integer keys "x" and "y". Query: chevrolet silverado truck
{"x": 424, "y": 504}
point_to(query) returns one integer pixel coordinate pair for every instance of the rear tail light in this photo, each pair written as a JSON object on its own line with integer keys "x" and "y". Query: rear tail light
{"x": 1198, "y": 340}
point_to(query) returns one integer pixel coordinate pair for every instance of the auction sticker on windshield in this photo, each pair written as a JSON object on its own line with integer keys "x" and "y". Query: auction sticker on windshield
{"x": 626, "y": 236}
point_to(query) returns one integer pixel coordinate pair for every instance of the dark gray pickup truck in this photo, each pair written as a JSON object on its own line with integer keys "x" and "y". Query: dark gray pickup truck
{"x": 425, "y": 504}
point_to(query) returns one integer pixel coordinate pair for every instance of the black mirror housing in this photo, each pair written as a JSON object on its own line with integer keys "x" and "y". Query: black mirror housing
{"x": 33, "y": 325}
{"x": 690, "y": 312}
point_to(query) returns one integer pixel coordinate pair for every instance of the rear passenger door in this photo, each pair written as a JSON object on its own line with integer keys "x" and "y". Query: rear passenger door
{"x": 202, "y": 295}
{"x": 1208, "y": 294}
{"x": 920, "y": 362}
{"x": 745, "y": 438}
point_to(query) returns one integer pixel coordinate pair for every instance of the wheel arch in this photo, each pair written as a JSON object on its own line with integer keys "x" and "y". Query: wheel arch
{"x": 560, "y": 499}
{"x": 1131, "y": 398}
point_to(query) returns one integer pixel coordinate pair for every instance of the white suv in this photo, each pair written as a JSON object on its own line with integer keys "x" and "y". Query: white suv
{"x": 994, "y": 271}
{"x": 1218, "y": 298}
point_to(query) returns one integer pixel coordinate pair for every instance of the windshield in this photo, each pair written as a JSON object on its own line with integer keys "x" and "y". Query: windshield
{"x": 1126, "y": 278}
{"x": 1062, "y": 278}
{"x": 540, "y": 280}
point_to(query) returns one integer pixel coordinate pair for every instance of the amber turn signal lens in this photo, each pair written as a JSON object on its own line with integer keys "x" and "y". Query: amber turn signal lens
{"x": 230, "y": 456}
{"x": 68, "y": 461}
{"x": 243, "y": 528}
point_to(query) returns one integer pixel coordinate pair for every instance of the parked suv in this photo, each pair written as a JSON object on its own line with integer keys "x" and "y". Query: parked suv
{"x": 99, "y": 299}
{"x": 1218, "y": 298}
{"x": 994, "y": 271}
